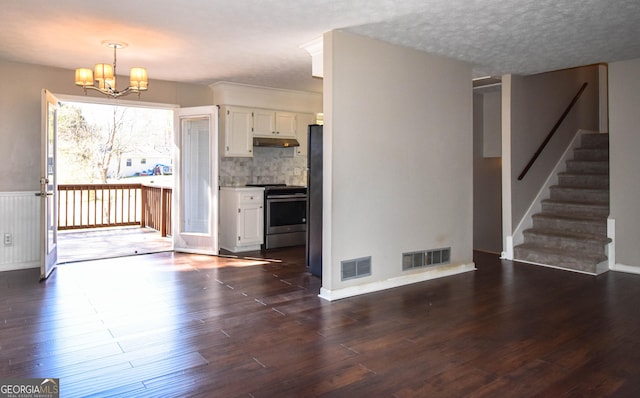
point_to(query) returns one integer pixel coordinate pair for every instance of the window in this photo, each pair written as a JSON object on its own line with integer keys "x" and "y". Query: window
{"x": 143, "y": 161}
{"x": 128, "y": 162}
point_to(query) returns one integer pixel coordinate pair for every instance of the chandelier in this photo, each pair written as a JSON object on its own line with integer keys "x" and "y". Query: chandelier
{"x": 103, "y": 76}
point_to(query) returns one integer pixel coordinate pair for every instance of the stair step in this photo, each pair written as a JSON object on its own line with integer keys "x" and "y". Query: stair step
{"x": 579, "y": 194}
{"x": 591, "y": 154}
{"x": 594, "y": 140}
{"x": 592, "y": 180}
{"x": 572, "y": 260}
{"x": 588, "y": 166}
{"x": 575, "y": 208}
{"x": 564, "y": 240}
{"x": 572, "y": 223}
{"x": 571, "y": 230}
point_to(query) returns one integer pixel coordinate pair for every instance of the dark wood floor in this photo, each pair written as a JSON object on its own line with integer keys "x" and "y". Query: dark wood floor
{"x": 189, "y": 325}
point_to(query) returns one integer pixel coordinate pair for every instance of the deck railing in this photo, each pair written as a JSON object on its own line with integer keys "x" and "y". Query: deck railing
{"x": 82, "y": 206}
{"x": 157, "y": 208}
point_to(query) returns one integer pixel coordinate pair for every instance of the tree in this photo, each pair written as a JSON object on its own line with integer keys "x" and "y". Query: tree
{"x": 77, "y": 143}
{"x": 89, "y": 150}
{"x": 93, "y": 152}
{"x": 115, "y": 144}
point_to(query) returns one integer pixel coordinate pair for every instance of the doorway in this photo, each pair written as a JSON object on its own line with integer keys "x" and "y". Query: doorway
{"x": 487, "y": 169}
{"x": 115, "y": 177}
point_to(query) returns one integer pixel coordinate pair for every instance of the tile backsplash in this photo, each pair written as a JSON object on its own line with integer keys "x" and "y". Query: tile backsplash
{"x": 268, "y": 166}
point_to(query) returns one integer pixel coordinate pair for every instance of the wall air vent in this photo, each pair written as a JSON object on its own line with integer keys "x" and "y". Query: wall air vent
{"x": 426, "y": 258}
{"x": 356, "y": 268}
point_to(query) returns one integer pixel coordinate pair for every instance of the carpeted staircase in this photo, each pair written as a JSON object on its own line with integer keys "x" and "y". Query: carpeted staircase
{"x": 571, "y": 230}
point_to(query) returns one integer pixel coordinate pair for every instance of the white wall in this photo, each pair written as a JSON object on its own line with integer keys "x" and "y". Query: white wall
{"x": 398, "y": 161}
{"x": 624, "y": 162}
{"x": 20, "y": 114}
{"x": 491, "y": 123}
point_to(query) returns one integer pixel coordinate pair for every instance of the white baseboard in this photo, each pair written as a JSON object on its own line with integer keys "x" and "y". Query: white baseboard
{"x": 630, "y": 269}
{"x": 18, "y": 266}
{"x": 435, "y": 273}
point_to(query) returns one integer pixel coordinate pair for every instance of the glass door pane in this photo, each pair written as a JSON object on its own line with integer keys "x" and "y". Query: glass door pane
{"x": 196, "y": 168}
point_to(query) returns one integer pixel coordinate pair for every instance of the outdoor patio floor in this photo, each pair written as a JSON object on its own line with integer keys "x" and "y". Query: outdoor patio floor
{"x": 91, "y": 244}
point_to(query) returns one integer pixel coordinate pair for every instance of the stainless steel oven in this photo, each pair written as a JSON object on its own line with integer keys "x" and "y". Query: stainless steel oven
{"x": 285, "y": 218}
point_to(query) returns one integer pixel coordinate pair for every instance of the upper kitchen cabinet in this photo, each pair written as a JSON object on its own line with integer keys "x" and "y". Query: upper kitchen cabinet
{"x": 236, "y": 132}
{"x": 268, "y": 123}
{"x": 303, "y": 120}
{"x": 248, "y": 111}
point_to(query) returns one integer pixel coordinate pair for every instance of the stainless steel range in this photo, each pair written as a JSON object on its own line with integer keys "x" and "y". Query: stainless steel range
{"x": 285, "y": 215}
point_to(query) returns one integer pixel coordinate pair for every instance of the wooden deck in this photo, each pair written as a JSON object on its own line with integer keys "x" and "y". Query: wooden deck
{"x": 93, "y": 244}
{"x": 180, "y": 325}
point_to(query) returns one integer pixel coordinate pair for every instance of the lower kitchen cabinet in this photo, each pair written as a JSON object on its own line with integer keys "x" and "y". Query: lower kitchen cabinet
{"x": 241, "y": 218}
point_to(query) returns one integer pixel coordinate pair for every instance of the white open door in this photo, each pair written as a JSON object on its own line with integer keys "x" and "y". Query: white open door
{"x": 195, "y": 195}
{"x": 48, "y": 186}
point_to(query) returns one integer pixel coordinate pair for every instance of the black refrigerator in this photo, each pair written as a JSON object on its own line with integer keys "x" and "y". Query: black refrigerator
{"x": 314, "y": 200}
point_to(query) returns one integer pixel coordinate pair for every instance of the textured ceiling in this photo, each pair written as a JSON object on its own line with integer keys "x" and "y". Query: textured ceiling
{"x": 257, "y": 42}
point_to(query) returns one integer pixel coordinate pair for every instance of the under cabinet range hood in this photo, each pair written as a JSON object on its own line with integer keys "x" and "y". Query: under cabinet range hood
{"x": 275, "y": 142}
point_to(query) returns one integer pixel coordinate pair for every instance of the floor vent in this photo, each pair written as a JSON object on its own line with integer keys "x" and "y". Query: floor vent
{"x": 356, "y": 268}
{"x": 425, "y": 258}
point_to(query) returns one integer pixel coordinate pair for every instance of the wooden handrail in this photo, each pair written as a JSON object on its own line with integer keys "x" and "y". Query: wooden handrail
{"x": 552, "y": 132}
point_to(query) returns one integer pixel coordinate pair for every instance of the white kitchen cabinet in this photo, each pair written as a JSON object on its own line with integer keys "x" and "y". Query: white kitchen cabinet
{"x": 286, "y": 124}
{"x": 237, "y": 136}
{"x": 303, "y": 120}
{"x": 267, "y": 123}
{"x": 241, "y": 219}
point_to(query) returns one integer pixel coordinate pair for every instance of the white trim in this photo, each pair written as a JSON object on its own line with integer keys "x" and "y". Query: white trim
{"x": 507, "y": 222}
{"x": 114, "y": 101}
{"x": 315, "y": 48}
{"x": 439, "y": 272}
{"x": 508, "y": 253}
{"x": 611, "y": 246}
{"x": 20, "y": 193}
{"x": 631, "y": 269}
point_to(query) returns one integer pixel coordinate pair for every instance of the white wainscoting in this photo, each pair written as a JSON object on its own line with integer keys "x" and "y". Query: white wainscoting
{"x": 19, "y": 217}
